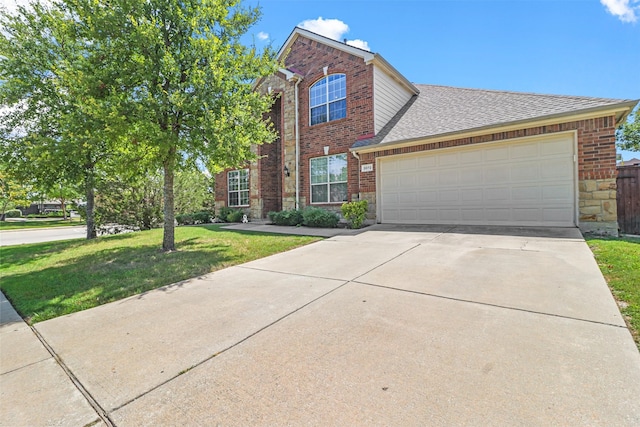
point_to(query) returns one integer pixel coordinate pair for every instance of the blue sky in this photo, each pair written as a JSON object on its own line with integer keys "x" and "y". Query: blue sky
{"x": 578, "y": 47}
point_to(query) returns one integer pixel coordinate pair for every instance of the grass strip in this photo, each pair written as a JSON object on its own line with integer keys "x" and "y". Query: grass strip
{"x": 619, "y": 261}
{"x": 47, "y": 280}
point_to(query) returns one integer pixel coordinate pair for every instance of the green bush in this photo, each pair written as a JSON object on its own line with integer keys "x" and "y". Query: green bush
{"x": 202, "y": 217}
{"x": 235, "y": 216}
{"x": 184, "y": 219}
{"x": 194, "y": 218}
{"x": 292, "y": 217}
{"x": 224, "y": 212}
{"x": 355, "y": 212}
{"x": 318, "y": 217}
{"x": 13, "y": 213}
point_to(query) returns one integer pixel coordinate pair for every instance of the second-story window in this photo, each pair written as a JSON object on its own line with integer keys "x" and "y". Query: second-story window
{"x": 328, "y": 99}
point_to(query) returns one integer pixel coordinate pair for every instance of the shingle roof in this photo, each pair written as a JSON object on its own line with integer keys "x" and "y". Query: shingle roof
{"x": 443, "y": 110}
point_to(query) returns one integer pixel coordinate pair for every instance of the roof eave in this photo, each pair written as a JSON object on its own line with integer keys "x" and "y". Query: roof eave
{"x": 297, "y": 31}
{"x": 379, "y": 61}
{"x": 620, "y": 110}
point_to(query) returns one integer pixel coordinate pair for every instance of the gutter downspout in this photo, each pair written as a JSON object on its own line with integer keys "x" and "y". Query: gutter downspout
{"x": 355, "y": 154}
{"x": 298, "y": 80}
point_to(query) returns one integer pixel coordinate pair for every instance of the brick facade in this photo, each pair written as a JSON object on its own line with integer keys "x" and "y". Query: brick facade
{"x": 268, "y": 181}
{"x": 271, "y": 189}
{"x": 309, "y": 58}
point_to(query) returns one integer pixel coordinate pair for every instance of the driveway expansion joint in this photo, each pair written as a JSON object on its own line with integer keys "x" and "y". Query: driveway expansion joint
{"x": 26, "y": 366}
{"x": 524, "y": 310}
{"x": 224, "y": 350}
{"x": 100, "y": 411}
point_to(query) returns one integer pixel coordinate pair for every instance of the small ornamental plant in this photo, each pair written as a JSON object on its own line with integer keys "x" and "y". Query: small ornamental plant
{"x": 355, "y": 213}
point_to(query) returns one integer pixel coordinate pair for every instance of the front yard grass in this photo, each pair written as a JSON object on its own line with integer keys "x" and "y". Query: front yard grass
{"x": 47, "y": 280}
{"x": 619, "y": 261}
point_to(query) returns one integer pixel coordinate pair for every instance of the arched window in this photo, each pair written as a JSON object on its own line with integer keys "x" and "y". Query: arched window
{"x": 328, "y": 99}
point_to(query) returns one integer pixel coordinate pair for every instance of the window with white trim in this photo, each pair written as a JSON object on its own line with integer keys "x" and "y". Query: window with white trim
{"x": 329, "y": 179}
{"x": 238, "y": 187}
{"x": 328, "y": 99}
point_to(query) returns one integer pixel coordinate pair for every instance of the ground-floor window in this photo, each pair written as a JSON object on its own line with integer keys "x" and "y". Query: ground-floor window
{"x": 329, "y": 179}
{"x": 238, "y": 187}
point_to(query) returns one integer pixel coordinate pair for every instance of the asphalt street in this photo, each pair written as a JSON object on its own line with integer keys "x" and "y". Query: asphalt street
{"x": 20, "y": 237}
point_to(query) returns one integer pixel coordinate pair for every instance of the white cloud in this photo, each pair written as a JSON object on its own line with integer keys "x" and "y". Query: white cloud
{"x": 625, "y": 10}
{"x": 333, "y": 29}
{"x": 359, "y": 43}
{"x": 263, "y": 36}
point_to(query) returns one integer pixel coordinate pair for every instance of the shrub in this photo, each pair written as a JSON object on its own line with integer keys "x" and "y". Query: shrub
{"x": 292, "y": 217}
{"x": 202, "y": 217}
{"x": 317, "y": 217}
{"x": 13, "y": 213}
{"x": 184, "y": 219}
{"x": 355, "y": 212}
{"x": 224, "y": 212}
{"x": 194, "y": 218}
{"x": 235, "y": 216}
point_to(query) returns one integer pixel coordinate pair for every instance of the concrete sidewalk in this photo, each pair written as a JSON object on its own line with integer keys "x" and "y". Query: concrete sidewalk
{"x": 391, "y": 326}
{"x": 34, "y": 388}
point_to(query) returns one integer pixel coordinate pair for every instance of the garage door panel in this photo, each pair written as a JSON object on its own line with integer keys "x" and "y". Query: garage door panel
{"x": 448, "y": 177}
{"x": 529, "y": 182}
{"x": 427, "y": 197}
{"x": 554, "y": 169}
{"x": 449, "y": 159}
{"x": 527, "y": 194}
{"x": 472, "y": 214}
{"x": 496, "y": 175}
{"x": 524, "y": 151}
{"x": 471, "y": 195}
{"x": 556, "y": 192}
{"x": 524, "y": 172}
{"x": 554, "y": 148}
{"x": 428, "y": 179}
{"x": 449, "y": 196}
{"x": 496, "y": 154}
{"x": 471, "y": 176}
{"x": 493, "y": 195}
{"x": 407, "y": 198}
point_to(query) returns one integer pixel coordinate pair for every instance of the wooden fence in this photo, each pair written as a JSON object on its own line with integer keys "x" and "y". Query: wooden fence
{"x": 628, "y": 199}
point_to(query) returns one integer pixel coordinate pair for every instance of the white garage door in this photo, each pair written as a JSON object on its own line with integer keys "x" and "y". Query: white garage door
{"x": 528, "y": 182}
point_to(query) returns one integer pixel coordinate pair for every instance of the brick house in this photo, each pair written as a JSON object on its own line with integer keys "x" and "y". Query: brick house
{"x": 351, "y": 127}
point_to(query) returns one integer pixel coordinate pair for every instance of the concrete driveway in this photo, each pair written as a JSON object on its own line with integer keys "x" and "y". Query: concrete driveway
{"x": 393, "y": 326}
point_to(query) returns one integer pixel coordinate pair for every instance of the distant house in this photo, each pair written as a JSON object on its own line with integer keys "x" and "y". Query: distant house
{"x": 630, "y": 162}
{"x": 352, "y": 127}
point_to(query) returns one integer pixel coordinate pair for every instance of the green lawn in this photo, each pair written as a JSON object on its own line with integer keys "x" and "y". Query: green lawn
{"x": 44, "y": 223}
{"x": 46, "y": 280}
{"x": 619, "y": 261}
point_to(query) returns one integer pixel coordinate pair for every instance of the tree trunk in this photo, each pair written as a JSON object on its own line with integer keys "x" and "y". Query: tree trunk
{"x": 90, "y": 195}
{"x": 168, "y": 239}
{"x": 63, "y": 205}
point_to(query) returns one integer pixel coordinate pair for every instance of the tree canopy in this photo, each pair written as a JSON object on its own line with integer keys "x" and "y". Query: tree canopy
{"x": 99, "y": 84}
{"x": 628, "y": 134}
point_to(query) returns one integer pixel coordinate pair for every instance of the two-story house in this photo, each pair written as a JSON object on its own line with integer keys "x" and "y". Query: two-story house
{"x": 351, "y": 127}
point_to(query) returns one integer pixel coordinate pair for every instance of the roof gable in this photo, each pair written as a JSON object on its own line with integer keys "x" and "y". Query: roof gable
{"x": 366, "y": 56}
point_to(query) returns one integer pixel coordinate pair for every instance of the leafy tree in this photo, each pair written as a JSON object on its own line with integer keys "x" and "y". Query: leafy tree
{"x": 130, "y": 200}
{"x": 53, "y": 127}
{"x": 12, "y": 192}
{"x": 186, "y": 83}
{"x": 193, "y": 192}
{"x": 628, "y": 134}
